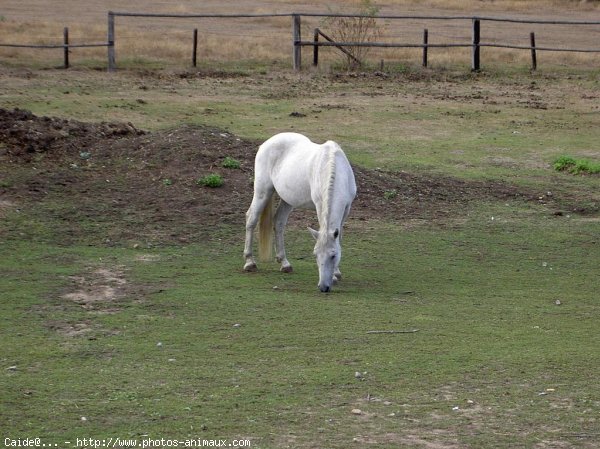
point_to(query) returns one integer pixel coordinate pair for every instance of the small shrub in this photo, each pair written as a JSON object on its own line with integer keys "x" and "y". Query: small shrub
{"x": 212, "y": 180}
{"x": 229, "y": 162}
{"x": 390, "y": 194}
{"x": 356, "y": 29}
{"x": 167, "y": 182}
{"x": 576, "y": 166}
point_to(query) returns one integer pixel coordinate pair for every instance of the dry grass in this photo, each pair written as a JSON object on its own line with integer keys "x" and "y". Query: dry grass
{"x": 170, "y": 40}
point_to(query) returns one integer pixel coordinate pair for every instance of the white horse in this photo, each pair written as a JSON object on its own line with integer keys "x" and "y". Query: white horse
{"x": 304, "y": 175}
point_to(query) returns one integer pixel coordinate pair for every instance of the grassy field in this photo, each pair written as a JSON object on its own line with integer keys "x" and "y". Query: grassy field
{"x": 146, "y": 339}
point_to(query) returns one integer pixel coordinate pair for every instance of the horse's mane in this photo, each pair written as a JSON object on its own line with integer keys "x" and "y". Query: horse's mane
{"x": 330, "y": 169}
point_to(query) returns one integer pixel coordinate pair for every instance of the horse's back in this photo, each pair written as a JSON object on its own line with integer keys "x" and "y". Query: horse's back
{"x": 290, "y": 161}
{"x": 285, "y": 148}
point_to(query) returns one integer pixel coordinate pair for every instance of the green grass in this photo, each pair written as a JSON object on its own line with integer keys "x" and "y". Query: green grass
{"x": 487, "y": 126}
{"x": 213, "y": 352}
{"x": 193, "y": 347}
{"x": 231, "y": 163}
{"x": 213, "y": 180}
{"x": 576, "y": 166}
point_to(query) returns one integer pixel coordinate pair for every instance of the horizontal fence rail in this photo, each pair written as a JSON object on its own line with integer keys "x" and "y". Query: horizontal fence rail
{"x": 53, "y": 45}
{"x": 66, "y": 46}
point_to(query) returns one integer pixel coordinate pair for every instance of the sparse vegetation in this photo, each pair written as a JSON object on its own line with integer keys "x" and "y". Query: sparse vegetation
{"x": 213, "y": 180}
{"x": 390, "y": 194}
{"x": 231, "y": 163}
{"x": 576, "y": 166}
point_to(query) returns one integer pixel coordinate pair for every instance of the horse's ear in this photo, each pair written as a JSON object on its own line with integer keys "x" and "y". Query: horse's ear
{"x": 314, "y": 233}
{"x": 336, "y": 233}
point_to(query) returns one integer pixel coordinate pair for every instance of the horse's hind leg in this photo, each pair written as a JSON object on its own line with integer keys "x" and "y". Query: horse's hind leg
{"x": 259, "y": 202}
{"x": 281, "y": 218}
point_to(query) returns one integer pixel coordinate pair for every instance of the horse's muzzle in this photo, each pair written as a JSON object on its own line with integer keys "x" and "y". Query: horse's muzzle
{"x": 325, "y": 288}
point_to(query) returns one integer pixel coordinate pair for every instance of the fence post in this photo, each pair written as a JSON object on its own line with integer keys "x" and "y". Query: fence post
{"x": 297, "y": 38}
{"x": 66, "y": 46}
{"x": 195, "y": 47}
{"x": 425, "y": 48}
{"x": 316, "y": 48}
{"x": 475, "y": 58}
{"x": 533, "y": 53}
{"x": 111, "y": 42}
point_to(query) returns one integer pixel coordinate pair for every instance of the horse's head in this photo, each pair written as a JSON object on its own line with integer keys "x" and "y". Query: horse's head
{"x": 328, "y": 252}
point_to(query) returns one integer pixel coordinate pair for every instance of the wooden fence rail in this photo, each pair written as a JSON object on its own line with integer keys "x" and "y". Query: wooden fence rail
{"x": 66, "y": 46}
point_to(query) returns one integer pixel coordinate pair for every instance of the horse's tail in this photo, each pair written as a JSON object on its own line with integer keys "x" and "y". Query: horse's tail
{"x": 266, "y": 231}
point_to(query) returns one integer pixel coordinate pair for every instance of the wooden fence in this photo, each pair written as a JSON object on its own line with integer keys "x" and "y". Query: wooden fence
{"x": 297, "y": 43}
{"x": 474, "y": 44}
{"x": 66, "y": 46}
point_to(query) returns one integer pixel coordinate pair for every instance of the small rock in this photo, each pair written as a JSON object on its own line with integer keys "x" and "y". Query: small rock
{"x": 237, "y": 325}
{"x": 159, "y": 344}
{"x": 83, "y": 418}
{"x": 557, "y": 302}
{"x": 12, "y": 368}
{"x": 456, "y": 408}
{"x": 356, "y": 411}
{"x": 358, "y": 375}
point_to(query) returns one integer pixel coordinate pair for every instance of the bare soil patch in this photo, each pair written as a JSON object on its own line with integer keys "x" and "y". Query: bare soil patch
{"x": 143, "y": 185}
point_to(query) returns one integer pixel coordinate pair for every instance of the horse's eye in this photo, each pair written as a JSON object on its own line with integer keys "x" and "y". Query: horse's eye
{"x": 333, "y": 257}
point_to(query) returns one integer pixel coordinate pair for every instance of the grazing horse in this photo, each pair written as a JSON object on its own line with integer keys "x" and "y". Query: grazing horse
{"x": 304, "y": 175}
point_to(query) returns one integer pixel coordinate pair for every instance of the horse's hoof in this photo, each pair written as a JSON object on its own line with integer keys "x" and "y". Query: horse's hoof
{"x": 287, "y": 269}
{"x": 250, "y": 267}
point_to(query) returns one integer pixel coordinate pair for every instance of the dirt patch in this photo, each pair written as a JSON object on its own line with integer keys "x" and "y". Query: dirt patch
{"x": 98, "y": 289}
{"x": 5, "y": 206}
{"x": 22, "y": 134}
{"x": 117, "y": 182}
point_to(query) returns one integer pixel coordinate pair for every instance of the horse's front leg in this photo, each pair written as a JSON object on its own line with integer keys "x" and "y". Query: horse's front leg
{"x": 281, "y": 217}
{"x": 337, "y": 274}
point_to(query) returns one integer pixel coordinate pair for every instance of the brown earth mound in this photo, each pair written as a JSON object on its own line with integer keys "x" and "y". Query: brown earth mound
{"x": 23, "y": 133}
{"x": 143, "y": 185}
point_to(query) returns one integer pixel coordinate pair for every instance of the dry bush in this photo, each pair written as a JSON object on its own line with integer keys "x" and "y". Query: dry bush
{"x": 363, "y": 29}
